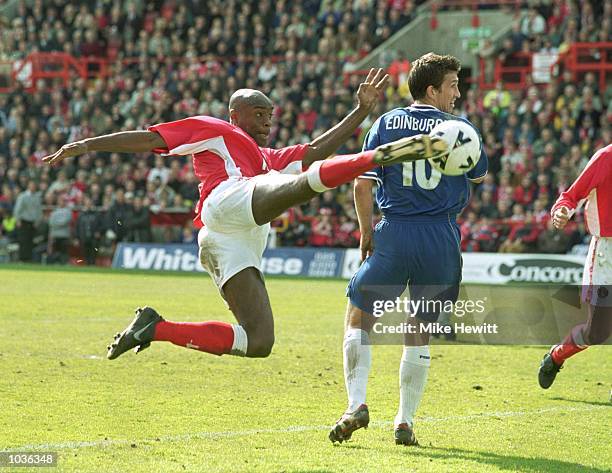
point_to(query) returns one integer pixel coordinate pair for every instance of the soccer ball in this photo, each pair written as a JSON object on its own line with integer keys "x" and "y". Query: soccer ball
{"x": 464, "y": 145}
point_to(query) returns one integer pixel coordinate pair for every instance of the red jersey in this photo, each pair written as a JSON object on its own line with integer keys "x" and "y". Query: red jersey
{"x": 595, "y": 185}
{"x": 221, "y": 150}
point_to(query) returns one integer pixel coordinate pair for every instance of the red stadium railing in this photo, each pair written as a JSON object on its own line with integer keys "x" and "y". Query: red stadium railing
{"x": 489, "y": 4}
{"x": 37, "y": 66}
{"x": 59, "y": 66}
{"x": 579, "y": 59}
{"x": 62, "y": 66}
{"x": 514, "y": 76}
{"x": 474, "y": 5}
{"x": 589, "y": 57}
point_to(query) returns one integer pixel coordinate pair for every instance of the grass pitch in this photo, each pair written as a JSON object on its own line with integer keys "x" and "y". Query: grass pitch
{"x": 171, "y": 409}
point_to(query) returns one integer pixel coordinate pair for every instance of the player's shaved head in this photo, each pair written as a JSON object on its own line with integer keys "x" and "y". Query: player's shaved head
{"x": 249, "y": 97}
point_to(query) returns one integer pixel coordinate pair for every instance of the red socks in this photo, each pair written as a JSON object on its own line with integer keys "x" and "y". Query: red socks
{"x": 567, "y": 348}
{"x": 330, "y": 173}
{"x": 212, "y": 337}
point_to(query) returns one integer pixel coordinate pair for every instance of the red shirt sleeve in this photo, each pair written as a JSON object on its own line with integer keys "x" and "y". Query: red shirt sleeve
{"x": 286, "y": 160}
{"x": 189, "y": 135}
{"x": 588, "y": 180}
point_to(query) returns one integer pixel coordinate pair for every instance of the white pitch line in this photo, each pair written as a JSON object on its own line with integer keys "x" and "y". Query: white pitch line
{"x": 294, "y": 428}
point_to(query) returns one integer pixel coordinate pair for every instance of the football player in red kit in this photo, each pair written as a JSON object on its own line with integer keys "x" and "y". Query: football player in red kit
{"x": 243, "y": 186}
{"x": 595, "y": 186}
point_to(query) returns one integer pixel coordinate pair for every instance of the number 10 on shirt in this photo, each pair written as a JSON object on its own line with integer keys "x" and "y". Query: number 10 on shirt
{"x": 416, "y": 170}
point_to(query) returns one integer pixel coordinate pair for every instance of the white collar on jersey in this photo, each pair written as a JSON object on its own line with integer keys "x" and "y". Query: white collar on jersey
{"x": 423, "y": 106}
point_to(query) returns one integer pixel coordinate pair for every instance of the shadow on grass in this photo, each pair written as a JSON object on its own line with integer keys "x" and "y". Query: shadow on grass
{"x": 592, "y": 403}
{"x": 354, "y": 446}
{"x": 503, "y": 462}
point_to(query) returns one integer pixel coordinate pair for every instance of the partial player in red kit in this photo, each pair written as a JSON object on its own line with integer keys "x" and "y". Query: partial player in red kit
{"x": 243, "y": 186}
{"x": 595, "y": 186}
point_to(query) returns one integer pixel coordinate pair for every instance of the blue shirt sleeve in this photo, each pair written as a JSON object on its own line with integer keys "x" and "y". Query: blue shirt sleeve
{"x": 372, "y": 139}
{"x": 482, "y": 166}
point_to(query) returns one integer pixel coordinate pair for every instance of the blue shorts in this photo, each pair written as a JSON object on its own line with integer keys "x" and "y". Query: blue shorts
{"x": 422, "y": 253}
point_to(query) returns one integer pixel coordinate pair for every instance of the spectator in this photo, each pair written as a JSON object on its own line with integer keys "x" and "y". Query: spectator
{"x": 329, "y": 202}
{"x": 487, "y": 207}
{"x": 8, "y": 225}
{"x": 552, "y": 240}
{"x": 160, "y": 171}
{"x": 118, "y": 215}
{"x": 308, "y": 116}
{"x": 467, "y": 227}
{"x": 540, "y": 134}
{"x": 489, "y": 54}
{"x": 61, "y": 185}
{"x": 533, "y": 23}
{"x": 88, "y": 231}
{"x": 27, "y": 212}
{"x": 59, "y": 232}
{"x": 484, "y": 237}
{"x": 139, "y": 222}
{"x": 345, "y": 233}
{"x": 322, "y": 229}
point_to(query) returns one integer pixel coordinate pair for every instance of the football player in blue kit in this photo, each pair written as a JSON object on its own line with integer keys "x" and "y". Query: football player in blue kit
{"x": 416, "y": 244}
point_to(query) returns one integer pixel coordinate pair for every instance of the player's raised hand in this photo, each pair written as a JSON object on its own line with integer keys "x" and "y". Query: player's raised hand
{"x": 67, "y": 151}
{"x": 366, "y": 245}
{"x": 560, "y": 217}
{"x": 370, "y": 89}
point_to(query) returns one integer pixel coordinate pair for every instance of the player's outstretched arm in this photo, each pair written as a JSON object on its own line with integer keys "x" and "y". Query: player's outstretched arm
{"x": 122, "y": 142}
{"x": 367, "y": 98}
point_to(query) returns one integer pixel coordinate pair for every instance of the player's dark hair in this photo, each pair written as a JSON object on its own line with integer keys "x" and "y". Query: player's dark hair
{"x": 430, "y": 69}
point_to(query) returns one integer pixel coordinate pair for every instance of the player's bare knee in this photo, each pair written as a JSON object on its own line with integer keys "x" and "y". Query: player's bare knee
{"x": 415, "y": 338}
{"x": 357, "y": 318}
{"x": 260, "y": 346}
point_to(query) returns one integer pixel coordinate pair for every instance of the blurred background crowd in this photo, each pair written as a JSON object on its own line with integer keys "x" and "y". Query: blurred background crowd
{"x": 172, "y": 59}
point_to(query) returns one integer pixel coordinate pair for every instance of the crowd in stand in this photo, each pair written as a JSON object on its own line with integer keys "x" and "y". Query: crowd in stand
{"x": 171, "y": 59}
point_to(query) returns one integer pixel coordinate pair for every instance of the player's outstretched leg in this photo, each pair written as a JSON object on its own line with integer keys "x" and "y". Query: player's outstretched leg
{"x": 252, "y": 337}
{"x": 272, "y": 196}
{"x": 139, "y": 334}
{"x": 412, "y": 148}
{"x": 349, "y": 422}
{"x": 217, "y": 338}
{"x": 330, "y": 173}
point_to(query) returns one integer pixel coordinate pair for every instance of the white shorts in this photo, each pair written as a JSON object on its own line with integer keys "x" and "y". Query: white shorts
{"x": 597, "y": 277}
{"x": 230, "y": 240}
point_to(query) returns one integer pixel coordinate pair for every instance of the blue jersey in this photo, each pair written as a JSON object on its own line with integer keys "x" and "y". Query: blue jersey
{"x": 415, "y": 188}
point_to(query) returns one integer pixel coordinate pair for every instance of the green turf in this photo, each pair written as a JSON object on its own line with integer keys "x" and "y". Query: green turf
{"x": 172, "y": 409}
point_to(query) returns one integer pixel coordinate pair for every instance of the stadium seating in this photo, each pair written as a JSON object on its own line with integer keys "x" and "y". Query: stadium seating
{"x": 68, "y": 71}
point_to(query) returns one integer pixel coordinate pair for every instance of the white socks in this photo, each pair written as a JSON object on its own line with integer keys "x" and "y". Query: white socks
{"x": 239, "y": 347}
{"x": 357, "y": 361}
{"x": 413, "y": 377}
{"x": 314, "y": 178}
{"x": 413, "y": 374}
